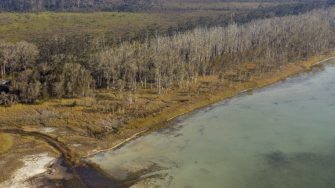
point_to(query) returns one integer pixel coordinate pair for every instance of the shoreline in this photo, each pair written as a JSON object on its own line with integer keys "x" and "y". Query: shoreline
{"x": 140, "y": 127}
{"x": 134, "y": 136}
{"x": 305, "y": 65}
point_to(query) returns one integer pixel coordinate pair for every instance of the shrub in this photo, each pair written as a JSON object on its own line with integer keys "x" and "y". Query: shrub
{"x": 8, "y": 99}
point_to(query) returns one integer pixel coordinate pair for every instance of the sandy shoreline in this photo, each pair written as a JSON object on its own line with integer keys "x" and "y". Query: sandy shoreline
{"x": 33, "y": 165}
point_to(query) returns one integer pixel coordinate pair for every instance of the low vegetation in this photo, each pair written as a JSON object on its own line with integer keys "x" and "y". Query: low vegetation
{"x": 34, "y": 27}
{"x": 6, "y": 143}
{"x": 115, "y": 27}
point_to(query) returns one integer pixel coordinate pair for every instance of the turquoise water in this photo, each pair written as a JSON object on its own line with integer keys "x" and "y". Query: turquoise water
{"x": 281, "y": 136}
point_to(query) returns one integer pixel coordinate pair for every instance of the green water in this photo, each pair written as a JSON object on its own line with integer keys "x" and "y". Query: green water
{"x": 281, "y": 136}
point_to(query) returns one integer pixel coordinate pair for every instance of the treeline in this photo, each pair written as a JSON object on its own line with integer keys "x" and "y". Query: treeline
{"x": 28, "y": 80}
{"x": 82, "y": 5}
{"x": 180, "y": 59}
{"x": 127, "y": 5}
{"x": 31, "y": 73}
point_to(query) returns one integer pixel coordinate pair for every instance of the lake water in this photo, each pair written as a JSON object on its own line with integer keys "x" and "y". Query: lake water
{"x": 282, "y": 136}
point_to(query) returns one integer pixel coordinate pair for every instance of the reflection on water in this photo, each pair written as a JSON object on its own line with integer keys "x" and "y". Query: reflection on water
{"x": 280, "y": 136}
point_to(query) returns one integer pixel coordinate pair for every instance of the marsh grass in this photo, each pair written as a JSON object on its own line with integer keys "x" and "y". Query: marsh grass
{"x": 6, "y": 143}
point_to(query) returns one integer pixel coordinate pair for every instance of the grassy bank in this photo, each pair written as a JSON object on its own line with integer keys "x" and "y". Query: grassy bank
{"x": 6, "y": 143}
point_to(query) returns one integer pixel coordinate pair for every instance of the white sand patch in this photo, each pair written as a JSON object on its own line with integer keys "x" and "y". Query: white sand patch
{"x": 33, "y": 165}
{"x": 48, "y": 129}
{"x": 76, "y": 145}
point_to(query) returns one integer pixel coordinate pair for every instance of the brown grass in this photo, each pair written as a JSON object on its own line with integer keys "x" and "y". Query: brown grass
{"x": 6, "y": 143}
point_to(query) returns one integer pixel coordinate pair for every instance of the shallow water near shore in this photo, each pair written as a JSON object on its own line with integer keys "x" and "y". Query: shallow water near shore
{"x": 279, "y": 136}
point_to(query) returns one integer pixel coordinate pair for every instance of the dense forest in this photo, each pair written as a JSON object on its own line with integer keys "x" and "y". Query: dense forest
{"x": 136, "y": 5}
{"x": 38, "y": 5}
{"x": 235, "y": 53}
